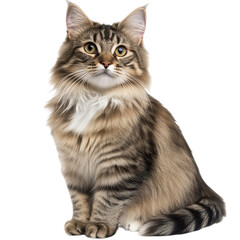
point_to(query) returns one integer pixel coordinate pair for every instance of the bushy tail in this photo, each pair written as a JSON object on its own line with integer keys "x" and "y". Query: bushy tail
{"x": 192, "y": 218}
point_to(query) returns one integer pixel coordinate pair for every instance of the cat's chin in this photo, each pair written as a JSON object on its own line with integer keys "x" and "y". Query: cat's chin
{"x": 105, "y": 80}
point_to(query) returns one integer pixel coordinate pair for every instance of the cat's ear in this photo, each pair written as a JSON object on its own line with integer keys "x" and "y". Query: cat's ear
{"x": 76, "y": 20}
{"x": 134, "y": 25}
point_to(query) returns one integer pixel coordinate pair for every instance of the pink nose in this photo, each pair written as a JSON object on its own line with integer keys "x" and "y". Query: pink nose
{"x": 106, "y": 64}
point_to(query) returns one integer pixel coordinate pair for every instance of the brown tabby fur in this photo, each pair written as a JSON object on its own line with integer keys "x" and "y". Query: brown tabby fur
{"x": 131, "y": 163}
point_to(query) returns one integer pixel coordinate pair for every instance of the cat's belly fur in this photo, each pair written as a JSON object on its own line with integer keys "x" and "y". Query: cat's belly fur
{"x": 82, "y": 165}
{"x": 79, "y": 171}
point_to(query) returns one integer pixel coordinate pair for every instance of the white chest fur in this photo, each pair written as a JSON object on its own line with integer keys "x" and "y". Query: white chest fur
{"x": 87, "y": 106}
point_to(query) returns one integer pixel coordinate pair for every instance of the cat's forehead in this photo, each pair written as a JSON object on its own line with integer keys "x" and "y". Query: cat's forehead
{"x": 105, "y": 35}
{"x": 104, "y": 32}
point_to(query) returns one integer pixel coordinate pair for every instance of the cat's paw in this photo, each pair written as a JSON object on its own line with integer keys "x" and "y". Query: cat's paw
{"x": 100, "y": 230}
{"x": 74, "y": 227}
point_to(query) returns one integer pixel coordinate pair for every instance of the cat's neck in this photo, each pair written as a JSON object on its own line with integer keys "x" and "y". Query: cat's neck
{"x": 120, "y": 95}
{"x": 88, "y": 104}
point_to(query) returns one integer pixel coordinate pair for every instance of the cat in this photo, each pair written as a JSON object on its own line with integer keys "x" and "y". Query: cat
{"x": 124, "y": 158}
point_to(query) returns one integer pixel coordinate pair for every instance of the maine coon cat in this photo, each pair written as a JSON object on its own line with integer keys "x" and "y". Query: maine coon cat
{"x": 124, "y": 159}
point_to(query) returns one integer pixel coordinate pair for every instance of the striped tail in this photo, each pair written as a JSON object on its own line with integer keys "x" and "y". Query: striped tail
{"x": 192, "y": 218}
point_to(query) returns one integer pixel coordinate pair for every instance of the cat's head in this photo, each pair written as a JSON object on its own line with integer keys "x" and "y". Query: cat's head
{"x": 103, "y": 56}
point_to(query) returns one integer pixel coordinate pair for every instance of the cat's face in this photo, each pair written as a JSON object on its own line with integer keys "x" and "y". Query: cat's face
{"x": 104, "y": 56}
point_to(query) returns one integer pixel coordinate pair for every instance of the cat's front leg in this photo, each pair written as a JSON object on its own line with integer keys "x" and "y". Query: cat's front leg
{"x": 81, "y": 212}
{"x": 78, "y": 189}
{"x": 109, "y": 200}
{"x": 104, "y": 217}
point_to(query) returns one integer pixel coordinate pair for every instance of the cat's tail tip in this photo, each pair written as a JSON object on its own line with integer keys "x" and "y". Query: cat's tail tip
{"x": 192, "y": 218}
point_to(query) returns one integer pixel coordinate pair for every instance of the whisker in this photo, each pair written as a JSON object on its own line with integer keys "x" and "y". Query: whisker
{"x": 73, "y": 77}
{"x": 136, "y": 81}
{"x": 72, "y": 64}
{"x": 63, "y": 80}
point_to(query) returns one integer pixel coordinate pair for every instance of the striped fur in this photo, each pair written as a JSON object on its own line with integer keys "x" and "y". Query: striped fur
{"x": 191, "y": 218}
{"x": 124, "y": 159}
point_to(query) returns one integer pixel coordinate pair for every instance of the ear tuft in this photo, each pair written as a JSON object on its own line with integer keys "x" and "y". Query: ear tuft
{"x": 76, "y": 20}
{"x": 134, "y": 25}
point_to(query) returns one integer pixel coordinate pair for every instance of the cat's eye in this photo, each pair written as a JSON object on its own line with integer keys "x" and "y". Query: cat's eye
{"x": 120, "y": 51}
{"x": 90, "y": 48}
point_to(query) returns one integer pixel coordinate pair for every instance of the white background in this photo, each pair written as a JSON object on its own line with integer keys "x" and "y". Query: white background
{"x": 194, "y": 53}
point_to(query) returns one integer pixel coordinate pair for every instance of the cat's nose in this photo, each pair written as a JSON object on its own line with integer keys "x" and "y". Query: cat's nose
{"x": 106, "y": 64}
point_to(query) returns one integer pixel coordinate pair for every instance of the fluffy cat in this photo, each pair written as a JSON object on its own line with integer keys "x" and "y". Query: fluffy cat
{"x": 125, "y": 160}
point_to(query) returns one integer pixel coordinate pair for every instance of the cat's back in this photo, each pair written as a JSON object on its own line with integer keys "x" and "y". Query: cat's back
{"x": 167, "y": 129}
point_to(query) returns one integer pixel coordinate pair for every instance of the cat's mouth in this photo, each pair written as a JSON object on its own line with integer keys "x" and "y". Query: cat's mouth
{"x": 105, "y": 72}
{"x": 105, "y": 78}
